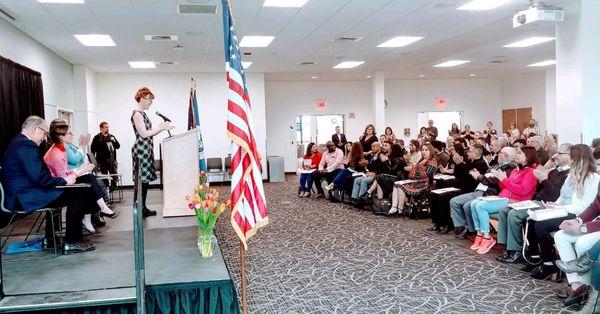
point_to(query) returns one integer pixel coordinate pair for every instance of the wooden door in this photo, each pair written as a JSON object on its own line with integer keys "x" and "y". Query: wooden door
{"x": 508, "y": 116}
{"x": 523, "y": 117}
{"x": 520, "y": 116}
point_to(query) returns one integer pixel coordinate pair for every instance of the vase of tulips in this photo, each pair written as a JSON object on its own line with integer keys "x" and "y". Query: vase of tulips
{"x": 207, "y": 207}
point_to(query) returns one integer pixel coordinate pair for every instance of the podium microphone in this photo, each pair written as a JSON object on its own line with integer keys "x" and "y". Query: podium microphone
{"x": 166, "y": 120}
{"x": 163, "y": 116}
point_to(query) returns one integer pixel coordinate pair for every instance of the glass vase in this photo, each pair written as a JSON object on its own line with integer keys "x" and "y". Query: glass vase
{"x": 206, "y": 243}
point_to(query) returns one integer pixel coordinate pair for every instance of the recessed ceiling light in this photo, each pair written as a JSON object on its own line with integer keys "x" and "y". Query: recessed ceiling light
{"x": 348, "y": 64}
{"x": 529, "y": 42}
{"x": 543, "y": 63}
{"x": 400, "y": 41}
{"x": 95, "y": 40}
{"x": 480, "y": 5}
{"x": 284, "y": 3}
{"x": 472, "y": 75}
{"x": 62, "y": 1}
{"x": 451, "y": 63}
{"x": 368, "y": 76}
{"x": 142, "y": 64}
{"x": 246, "y": 64}
{"x": 421, "y": 75}
{"x": 256, "y": 41}
{"x": 314, "y": 77}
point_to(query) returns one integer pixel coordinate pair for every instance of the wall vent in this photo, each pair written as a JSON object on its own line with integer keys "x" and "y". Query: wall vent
{"x": 307, "y": 63}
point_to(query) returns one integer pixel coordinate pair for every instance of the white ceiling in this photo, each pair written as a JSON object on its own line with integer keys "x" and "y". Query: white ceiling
{"x": 304, "y": 34}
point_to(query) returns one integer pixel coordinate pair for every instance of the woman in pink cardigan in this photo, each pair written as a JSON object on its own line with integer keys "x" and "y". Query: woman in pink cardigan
{"x": 520, "y": 185}
{"x": 56, "y": 159}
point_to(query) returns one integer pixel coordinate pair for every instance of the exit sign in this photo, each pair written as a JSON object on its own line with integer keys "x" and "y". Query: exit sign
{"x": 321, "y": 105}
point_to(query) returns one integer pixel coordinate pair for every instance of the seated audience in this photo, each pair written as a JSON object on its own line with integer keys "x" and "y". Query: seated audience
{"x": 421, "y": 174}
{"x": 382, "y": 138}
{"x": 513, "y": 131}
{"x": 310, "y": 163}
{"x": 551, "y": 178}
{"x": 56, "y": 160}
{"x": 578, "y": 192}
{"x": 356, "y": 163}
{"x": 537, "y": 143}
{"x": 454, "y": 131}
{"x": 441, "y": 157}
{"x": 550, "y": 144}
{"x": 393, "y": 171}
{"x": 29, "y": 186}
{"x": 460, "y": 206}
{"x": 586, "y": 265}
{"x": 465, "y": 183}
{"x": 389, "y": 133}
{"x": 423, "y": 136}
{"x": 377, "y": 165}
{"x": 414, "y": 152}
{"x": 520, "y": 185}
{"x": 330, "y": 165}
{"x": 575, "y": 237}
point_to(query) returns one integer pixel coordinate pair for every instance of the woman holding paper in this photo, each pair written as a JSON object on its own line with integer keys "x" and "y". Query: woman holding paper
{"x": 56, "y": 159}
{"x": 520, "y": 185}
{"x": 310, "y": 163}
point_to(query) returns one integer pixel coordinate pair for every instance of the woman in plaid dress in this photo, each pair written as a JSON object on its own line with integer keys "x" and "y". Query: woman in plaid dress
{"x": 143, "y": 148}
{"x": 422, "y": 176}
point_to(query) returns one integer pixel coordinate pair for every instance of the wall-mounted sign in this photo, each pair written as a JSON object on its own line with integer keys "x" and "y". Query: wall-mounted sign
{"x": 321, "y": 105}
{"x": 440, "y": 102}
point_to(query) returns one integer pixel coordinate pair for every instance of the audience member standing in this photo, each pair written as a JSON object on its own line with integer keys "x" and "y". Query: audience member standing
{"x": 104, "y": 147}
{"x": 339, "y": 139}
{"x": 432, "y": 131}
{"x": 143, "y": 148}
{"x": 454, "y": 131}
{"x": 513, "y": 131}
{"x": 367, "y": 139}
{"x": 531, "y": 129}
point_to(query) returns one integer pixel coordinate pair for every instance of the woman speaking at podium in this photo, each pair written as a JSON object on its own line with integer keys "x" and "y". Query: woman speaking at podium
{"x": 143, "y": 148}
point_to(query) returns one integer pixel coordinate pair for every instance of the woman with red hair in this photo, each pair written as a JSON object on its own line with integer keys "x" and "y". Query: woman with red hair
{"x": 143, "y": 148}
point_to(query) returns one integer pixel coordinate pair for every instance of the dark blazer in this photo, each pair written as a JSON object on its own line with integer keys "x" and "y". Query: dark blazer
{"x": 106, "y": 160}
{"x": 26, "y": 176}
{"x": 341, "y": 144}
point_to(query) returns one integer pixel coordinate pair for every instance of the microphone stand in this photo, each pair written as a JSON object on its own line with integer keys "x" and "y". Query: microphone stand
{"x": 168, "y": 131}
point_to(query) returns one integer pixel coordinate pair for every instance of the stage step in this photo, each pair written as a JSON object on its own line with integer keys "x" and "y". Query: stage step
{"x": 63, "y": 300}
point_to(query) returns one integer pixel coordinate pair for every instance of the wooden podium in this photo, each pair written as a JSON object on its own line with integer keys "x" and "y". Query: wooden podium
{"x": 180, "y": 172}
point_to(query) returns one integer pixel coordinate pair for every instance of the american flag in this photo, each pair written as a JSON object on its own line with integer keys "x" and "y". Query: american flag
{"x": 248, "y": 207}
{"x": 194, "y": 122}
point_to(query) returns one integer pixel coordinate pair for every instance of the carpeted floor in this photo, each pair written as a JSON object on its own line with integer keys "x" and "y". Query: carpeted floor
{"x": 318, "y": 257}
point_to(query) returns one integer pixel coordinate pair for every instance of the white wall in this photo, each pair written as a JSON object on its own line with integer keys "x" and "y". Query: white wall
{"x": 526, "y": 90}
{"x": 287, "y": 100}
{"x": 57, "y": 73}
{"x": 115, "y": 103}
{"x": 478, "y": 99}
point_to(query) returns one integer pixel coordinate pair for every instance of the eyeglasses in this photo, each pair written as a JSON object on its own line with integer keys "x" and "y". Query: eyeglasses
{"x": 45, "y": 132}
{"x": 149, "y": 100}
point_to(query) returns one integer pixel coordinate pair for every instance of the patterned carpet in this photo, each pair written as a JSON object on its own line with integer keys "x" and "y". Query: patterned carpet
{"x": 318, "y": 257}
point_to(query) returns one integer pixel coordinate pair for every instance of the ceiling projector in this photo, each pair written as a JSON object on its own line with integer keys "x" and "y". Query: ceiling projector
{"x": 538, "y": 13}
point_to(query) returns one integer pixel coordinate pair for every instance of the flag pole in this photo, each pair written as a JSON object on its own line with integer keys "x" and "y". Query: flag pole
{"x": 243, "y": 271}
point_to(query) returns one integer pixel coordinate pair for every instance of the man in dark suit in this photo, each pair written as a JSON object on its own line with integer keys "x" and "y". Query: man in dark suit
{"x": 339, "y": 139}
{"x": 432, "y": 131}
{"x": 104, "y": 147}
{"x": 29, "y": 186}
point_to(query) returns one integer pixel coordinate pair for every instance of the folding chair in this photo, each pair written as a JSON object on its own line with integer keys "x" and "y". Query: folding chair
{"x": 110, "y": 177}
{"x": 12, "y": 223}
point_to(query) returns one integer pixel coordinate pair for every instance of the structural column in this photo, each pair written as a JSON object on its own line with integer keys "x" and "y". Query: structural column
{"x": 578, "y": 73}
{"x": 378, "y": 86}
{"x": 84, "y": 81}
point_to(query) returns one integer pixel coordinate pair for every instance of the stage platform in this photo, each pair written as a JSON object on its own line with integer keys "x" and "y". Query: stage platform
{"x": 104, "y": 278}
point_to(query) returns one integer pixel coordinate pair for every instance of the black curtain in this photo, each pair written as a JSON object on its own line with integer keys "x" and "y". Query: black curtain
{"x": 21, "y": 95}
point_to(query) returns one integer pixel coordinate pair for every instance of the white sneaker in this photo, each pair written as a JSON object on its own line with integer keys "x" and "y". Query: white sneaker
{"x": 324, "y": 186}
{"x": 329, "y": 187}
